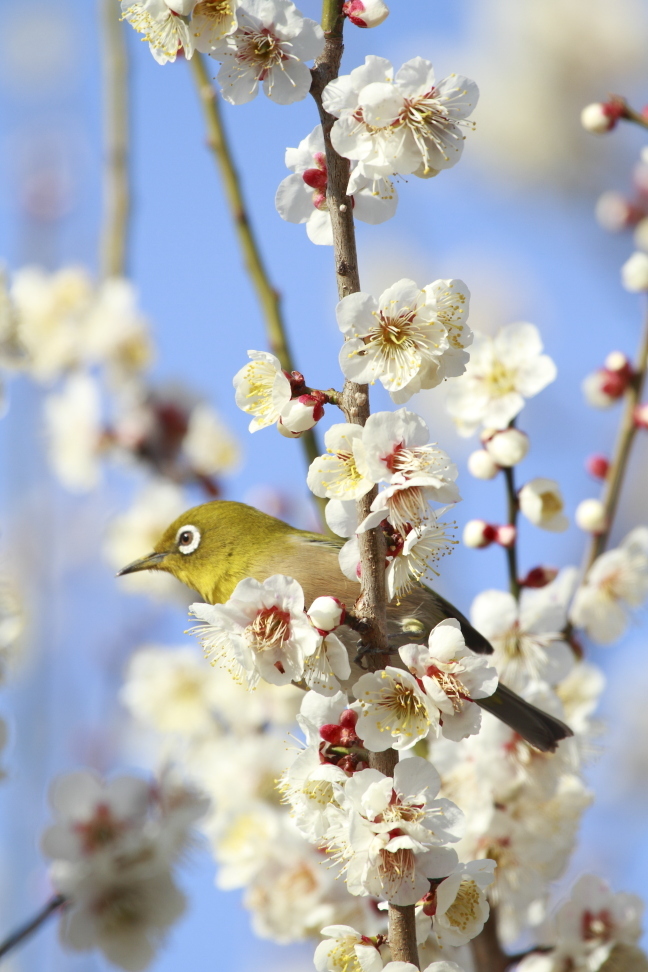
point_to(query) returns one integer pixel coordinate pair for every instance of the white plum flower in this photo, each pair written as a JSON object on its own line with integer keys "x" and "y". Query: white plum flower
{"x": 616, "y": 582}
{"x": 260, "y": 632}
{"x": 209, "y": 445}
{"x": 395, "y": 447}
{"x": 164, "y": 24}
{"x": 405, "y": 123}
{"x": 307, "y": 785}
{"x": 345, "y": 950}
{"x": 585, "y": 930}
{"x": 124, "y": 916}
{"x": 211, "y": 21}
{"x": 449, "y": 301}
{"x": 301, "y": 197}
{"x": 461, "y": 905}
{"x": 262, "y": 389}
{"x": 336, "y": 475}
{"x": 365, "y": 13}
{"x": 506, "y": 447}
{"x": 172, "y": 689}
{"x": 634, "y": 273}
{"x": 75, "y": 432}
{"x": 451, "y": 676}
{"x": 542, "y": 503}
{"x": 326, "y": 664}
{"x": 392, "y": 710}
{"x": 390, "y": 833}
{"x": 411, "y": 557}
{"x": 502, "y": 372}
{"x": 115, "y": 332}
{"x": 528, "y": 636}
{"x": 397, "y": 339}
{"x": 271, "y": 42}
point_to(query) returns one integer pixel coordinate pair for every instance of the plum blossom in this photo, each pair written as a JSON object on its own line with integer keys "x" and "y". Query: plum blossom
{"x": 460, "y": 907}
{"x": 337, "y": 475}
{"x": 409, "y": 339}
{"x": 365, "y": 13}
{"x": 506, "y": 447}
{"x": 451, "y": 676}
{"x": 164, "y": 24}
{"x": 634, "y": 273}
{"x": 326, "y": 664}
{"x": 390, "y": 833}
{"x": 542, "y": 503}
{"x": 211, "y": 21}
{"x": 528, "y": 637}
{"x": 301, "y": 197}
{"x": 75, "y": 432}
{"x": 209, "y": 445}
{"x": 346, "y": 950}
{"x": 262, "y": 389}
{"x": 616, "y": 581}
{"x": 260, "y": 632}
{"x": 307, "y": 785}
{"x": 502, "y": 372}
{"x": 269, "y": 46}
{"x": 404, "y": 123}
{"x": 393, "y": 711}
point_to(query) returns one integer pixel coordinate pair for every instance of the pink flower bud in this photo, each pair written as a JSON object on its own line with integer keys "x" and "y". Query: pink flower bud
{"x": 300, "y": 415}
{"x": 603, "y": 388}
{"x": 326, "y": 614}
{"x": 539, "y": 577}
{"x": 478, "y": 533}
{"x": 349, "y": 719}
{"x": 597, "y": 466}
{"x": 331, "y": 733}
{"x": 641, "y": 416}
{"x": 315, "y": 178}
{"x": 615, "y": 213}
{"x": 601, "y": 117}
{"x": 365, "y": 13}
{"x": 505, "y": 535}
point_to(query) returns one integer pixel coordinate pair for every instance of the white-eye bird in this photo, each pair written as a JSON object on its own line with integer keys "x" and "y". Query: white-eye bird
{"x": 212, "y": 547}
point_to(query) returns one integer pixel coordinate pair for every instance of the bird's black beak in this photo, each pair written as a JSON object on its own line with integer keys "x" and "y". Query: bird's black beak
{"x": 144, "y": 563}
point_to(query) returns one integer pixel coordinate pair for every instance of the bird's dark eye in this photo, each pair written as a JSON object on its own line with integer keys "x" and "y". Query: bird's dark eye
{"x": 187, "y": 539}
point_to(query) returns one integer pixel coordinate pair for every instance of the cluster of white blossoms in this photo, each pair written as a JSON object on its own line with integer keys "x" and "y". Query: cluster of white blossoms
{"x": 392, "y": 448}
{"x": 89, "y": 346}
{"x": 113, "y": 846}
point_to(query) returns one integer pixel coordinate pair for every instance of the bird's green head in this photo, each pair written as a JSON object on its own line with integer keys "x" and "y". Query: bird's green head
{"x": 210, "y": 547}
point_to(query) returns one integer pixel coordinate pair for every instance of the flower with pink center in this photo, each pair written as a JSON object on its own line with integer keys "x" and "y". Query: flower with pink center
{"x": 301, "y": 197}
{"x": 164, "y": 24}
{"x": 271, "y": 42}
{"x": 393, "y": 710}
{"x": 390, "y": 833}
{"x": 458, "y": 905}
{"x": 405, "y": 122}
{"x": 365, "y": 13}
{"x": 211, "y": 21}
{"x": 260, "y": 632}
{"x": 451, "y": 676}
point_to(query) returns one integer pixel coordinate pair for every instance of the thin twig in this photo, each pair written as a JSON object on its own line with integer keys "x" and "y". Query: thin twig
{"x": 115, "y": 225}
{"x": 355, "y": 404}
{"x": 625, "y": 438}
{"x": 511, "y": 551}
{"x": 268, "y": 295}
{"x": 28, "y": 929}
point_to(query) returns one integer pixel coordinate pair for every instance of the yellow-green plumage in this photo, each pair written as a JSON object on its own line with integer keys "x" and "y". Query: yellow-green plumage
{"x": 236, "y": 541}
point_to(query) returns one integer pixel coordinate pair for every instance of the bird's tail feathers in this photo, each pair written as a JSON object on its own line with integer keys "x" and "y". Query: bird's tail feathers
{"x": 538, "y": 728}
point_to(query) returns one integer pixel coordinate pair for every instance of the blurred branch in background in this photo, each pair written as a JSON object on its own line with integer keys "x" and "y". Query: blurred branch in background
{"x": 113, "y": 253}
{"x": 269, "y": 297}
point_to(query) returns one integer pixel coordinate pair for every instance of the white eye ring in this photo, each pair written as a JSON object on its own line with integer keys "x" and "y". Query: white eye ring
{"x": 190, "y": 545}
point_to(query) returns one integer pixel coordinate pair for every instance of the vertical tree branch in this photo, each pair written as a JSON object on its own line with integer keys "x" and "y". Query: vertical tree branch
{"x": 355, "y": 403}
{"x": 487, "y": 952}
{"x": 269, "y": 297}
{"x": 511, "y": 552}
{"x": 625, "y": 438}
{"x": 115, "y": 226}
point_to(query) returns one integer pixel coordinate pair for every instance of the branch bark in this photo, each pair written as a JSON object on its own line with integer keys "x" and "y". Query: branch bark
{"x": 511, "y": 552}
{"x": 268, "y": 296}
{"x": 28, "y": 929}
{"x": 625, "y": 438}
{"x": 117, "y": 195}
{"x": 487, "y": 952}
{"x": 355, "y": 404}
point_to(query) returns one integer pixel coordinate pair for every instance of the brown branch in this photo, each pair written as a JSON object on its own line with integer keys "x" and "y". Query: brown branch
{"x": 625, "y": 438}
{"x": 114, "y": 233}
{"x": 268, "y": 296}
{"x": 487, "y": 953}
{"x": 511, "y": 552}
{"x": 23, "y": 933}
{"x": 355, "y": 404}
